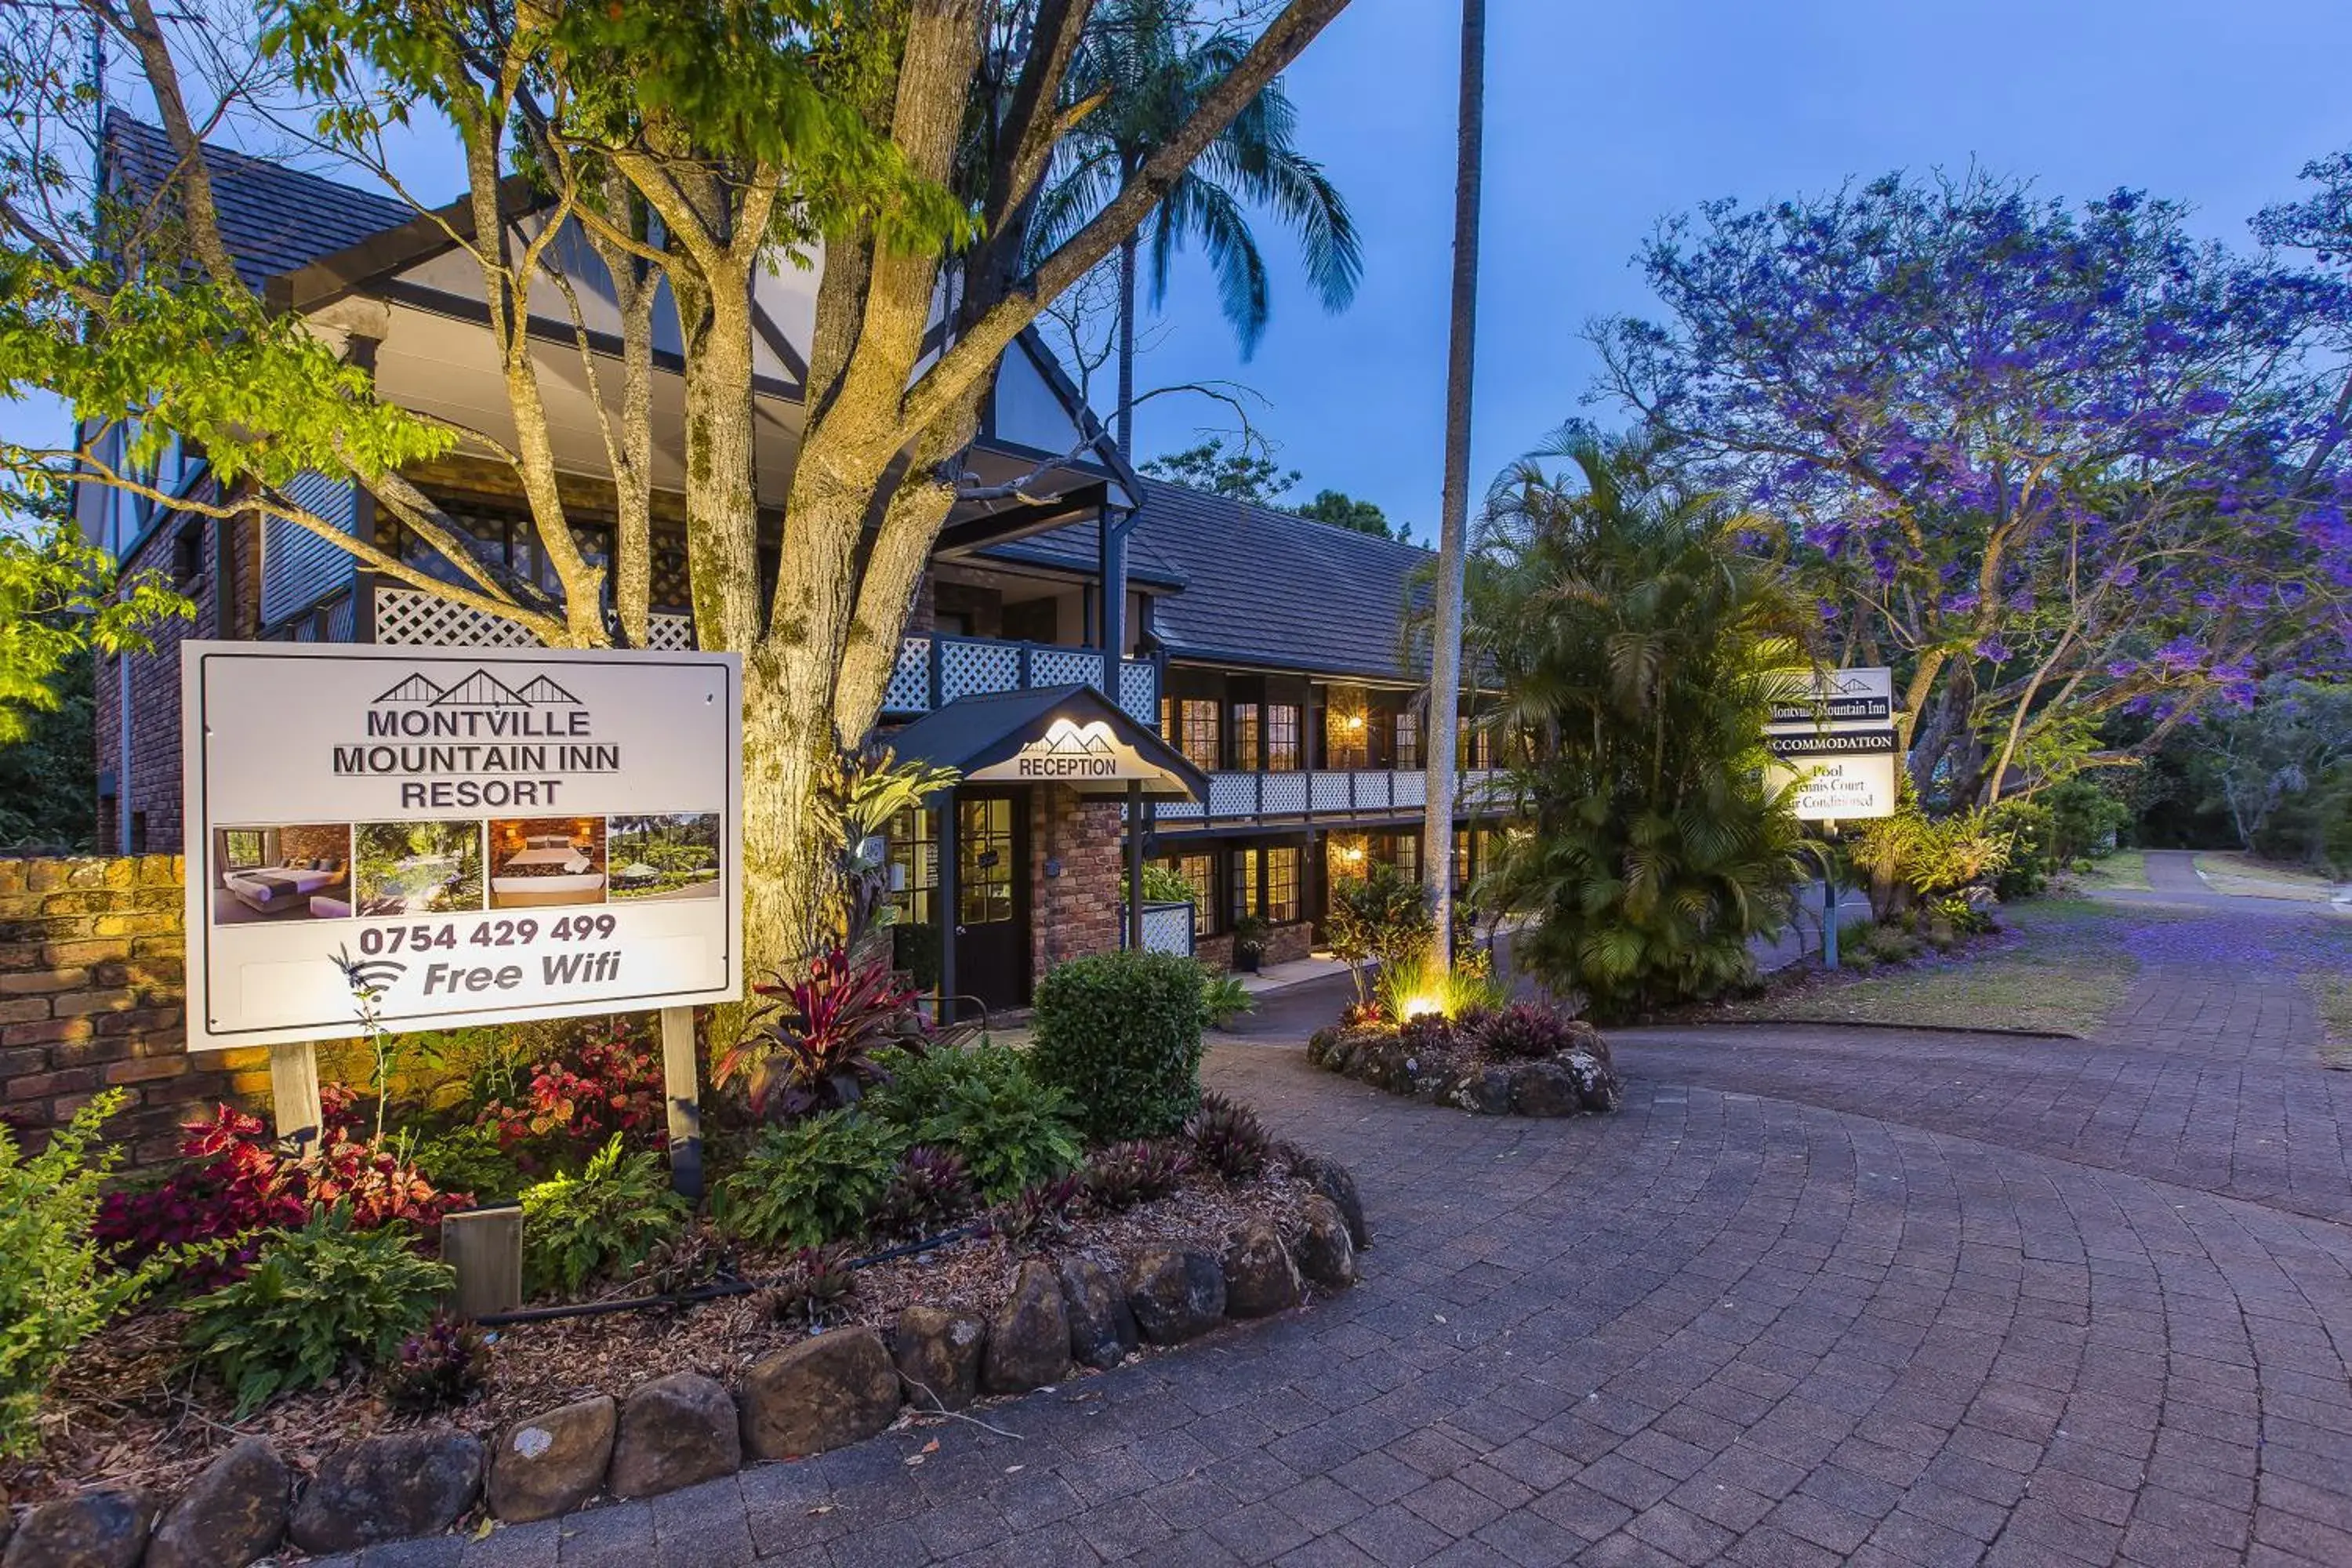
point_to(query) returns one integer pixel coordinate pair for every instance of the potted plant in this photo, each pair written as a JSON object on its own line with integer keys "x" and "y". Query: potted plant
{"x": 1251, "y": 934}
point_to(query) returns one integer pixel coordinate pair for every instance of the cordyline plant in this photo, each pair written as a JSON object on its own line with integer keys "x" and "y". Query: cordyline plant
{"x": 899, "y": 146}
{"x": 814, "y": 1046}
{"x": 2053, "y": 464}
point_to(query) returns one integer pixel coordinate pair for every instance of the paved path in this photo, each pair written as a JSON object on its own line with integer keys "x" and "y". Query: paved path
{"x": 1814, "y": 1297}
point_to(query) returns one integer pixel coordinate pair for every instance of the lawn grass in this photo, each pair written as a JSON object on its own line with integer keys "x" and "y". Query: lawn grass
{"x": 2125, "y": 869}
{"x": 2233, "y": 871}
{"x": 2332, "y": 994}
{"x": 2061, "y": 968}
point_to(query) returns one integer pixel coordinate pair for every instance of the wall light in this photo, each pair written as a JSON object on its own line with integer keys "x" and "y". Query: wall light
{"x": 1355, "y": 722}
{"x": 1353, "y": 854}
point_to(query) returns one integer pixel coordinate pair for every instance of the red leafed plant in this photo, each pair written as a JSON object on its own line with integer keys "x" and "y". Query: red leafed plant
{"x": 604, "y": 1084}
{"x": 814, "y": 1048}
{"x": 232, "y": 1181}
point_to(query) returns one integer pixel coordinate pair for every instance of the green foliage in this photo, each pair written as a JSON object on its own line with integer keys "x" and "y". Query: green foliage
{"x": 48, "y": 780}
{"x": 1135, "y": 1170}
{"x": 1247, "y": 475}
{"x": 1161, "y": 885}
{"x": 1641, "y": 639}
{"x": 1417, "y": 985}
{"x": 599, "y": 1224}
{"x": 55, "y": 1291}
{"x": 317, "y": 1298}
{"x": 2279, "y": 772}
{"x": 58, "y": 601}
{"x": 1224, "y": 997}
{"x": 469, "y": 1159}
{"x": 805, "y": 1183}
{"x": 1911, "y": 858}
{"x": 1380, "y": 917}
{"x": 1119, "y": 1033}
{"x": 983, "y": 1103}
{"x": 446, "y": 1364}
{"x": 1343, "y": 511}
{"x": 1228, "y": 1137}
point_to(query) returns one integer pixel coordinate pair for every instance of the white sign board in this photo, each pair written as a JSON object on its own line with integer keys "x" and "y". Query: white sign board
{"x": 1834, "y": 742}
{"x": 488, "y": 835}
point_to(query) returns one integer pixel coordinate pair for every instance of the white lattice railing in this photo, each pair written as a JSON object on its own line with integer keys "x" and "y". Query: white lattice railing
{"x": 1167, "y": 928}
{"x": 409, "y": 618}
{"x": 1342, "y": 793}
{"x": 935, "y": 670}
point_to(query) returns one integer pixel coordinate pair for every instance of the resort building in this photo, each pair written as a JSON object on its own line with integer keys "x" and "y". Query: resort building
{"x": 1256, "y": 660}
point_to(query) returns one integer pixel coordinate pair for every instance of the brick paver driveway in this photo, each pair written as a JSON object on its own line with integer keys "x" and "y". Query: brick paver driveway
{"x": 1813, "y": 1297}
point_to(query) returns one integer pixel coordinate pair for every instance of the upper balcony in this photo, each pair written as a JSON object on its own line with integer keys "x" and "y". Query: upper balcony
{"x": 933, "y": 670}
{"x": 1319, "y": 795}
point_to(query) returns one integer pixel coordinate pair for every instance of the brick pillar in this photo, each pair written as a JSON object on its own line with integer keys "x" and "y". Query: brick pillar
{"x": 1077, "y": 912}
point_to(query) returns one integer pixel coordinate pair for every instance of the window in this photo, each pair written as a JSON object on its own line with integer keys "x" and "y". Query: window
{"x": 188, "y": 554}
{"x": 984, "y": 861}
{"x": 244, "y": 848}
{"x": 1461, "y": 859}
{"x": 1282, "y": 738}
{"x": 1403, "y": 852}
{"x": 1197, "y": 737}
{"x": 1245, "y": 736}
{"x": 1245, "y": 890}
{"x": 1200, "y": 873}
{"x": 914, "y": 866}
{"x": 1032, "y": 620}
{"x": 1408, "y": 740}
{"x": 1282, "y": 886}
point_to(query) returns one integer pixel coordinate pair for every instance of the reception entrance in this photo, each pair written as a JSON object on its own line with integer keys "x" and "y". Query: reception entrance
{"x": 992, "y": 929}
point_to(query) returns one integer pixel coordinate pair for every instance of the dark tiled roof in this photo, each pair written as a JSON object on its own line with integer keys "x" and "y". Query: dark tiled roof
{"x": 973, "y": 732}
{"x": 1265, "y": 587}
{"x": 273, "y": 219}
{"x": 1076, "y": 548}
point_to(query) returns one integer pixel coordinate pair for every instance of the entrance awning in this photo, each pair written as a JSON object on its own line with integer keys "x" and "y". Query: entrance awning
{"x": 1056, "y": 735}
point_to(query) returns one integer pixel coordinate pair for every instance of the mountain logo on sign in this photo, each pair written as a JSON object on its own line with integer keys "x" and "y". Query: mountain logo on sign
{"x": 479, "y": 689}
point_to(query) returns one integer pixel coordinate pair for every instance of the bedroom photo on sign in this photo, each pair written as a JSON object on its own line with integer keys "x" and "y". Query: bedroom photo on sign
{"x": 543, "y": 860}
{"x": 296, "y": 871}
{"x": 419, "y": 867}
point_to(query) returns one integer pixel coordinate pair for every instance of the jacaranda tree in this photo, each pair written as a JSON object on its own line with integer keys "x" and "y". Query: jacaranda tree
{"x": 1639, "y": 630}
{"x": 2051, "y": 463}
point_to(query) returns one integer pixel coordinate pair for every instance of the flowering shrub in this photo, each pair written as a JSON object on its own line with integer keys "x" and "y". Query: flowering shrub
{"x": 233, "y": 1183}
{"x": 603, "y": 1084}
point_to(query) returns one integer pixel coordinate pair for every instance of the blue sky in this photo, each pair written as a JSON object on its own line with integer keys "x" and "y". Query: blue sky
{"x": 1602, "y": 118}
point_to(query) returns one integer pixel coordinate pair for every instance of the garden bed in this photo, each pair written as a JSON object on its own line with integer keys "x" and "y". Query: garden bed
{"x": 1521, "y": 1060}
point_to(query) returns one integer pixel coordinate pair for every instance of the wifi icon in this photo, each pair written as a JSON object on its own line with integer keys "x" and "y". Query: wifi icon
{"x": 373, "y": 973}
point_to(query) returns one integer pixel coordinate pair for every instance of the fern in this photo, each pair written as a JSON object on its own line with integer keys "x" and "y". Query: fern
{"x": 600, "y": 1222}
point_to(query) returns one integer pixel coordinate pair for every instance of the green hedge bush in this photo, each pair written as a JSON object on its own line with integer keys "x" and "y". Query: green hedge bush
{"x": 805, "y": 1183}
{"x": 1119, "y": 1033}
{"x": 982, "y": 1103}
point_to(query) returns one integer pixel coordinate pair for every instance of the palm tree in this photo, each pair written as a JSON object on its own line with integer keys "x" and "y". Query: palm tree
{"x": 1641, "y": 638}
{"x": 1454, "y": 510}
{"x": 1149, "y": 65}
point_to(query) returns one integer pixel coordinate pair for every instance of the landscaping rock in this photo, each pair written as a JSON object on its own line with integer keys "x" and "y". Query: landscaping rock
{"x": 232, "y": 1512}
{"x": 939, "y": 1357}
{"x": 1260, "y": 1279}
{"x": 674, "y": 1431}
{"x": 1102, "y": 1326}
{"x": 1176, "y": 1294}
{"x": 102, "y": 1529}
{"x": 1583, "y": 1037}
{"x": 1596, "y": 1080}
{"x": 1332, "y": 1179}
{"x": 1546, "y": 1089}
{"x": 829, "y": 1392}
{"x": 389, "y": 1488}
{"x": 1029, "y": 1338}
{"x": 1323, "y": 1249}
{"x": 552, "y": 1463}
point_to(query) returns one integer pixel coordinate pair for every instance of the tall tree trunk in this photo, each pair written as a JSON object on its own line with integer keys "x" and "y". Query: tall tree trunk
{"x": 1453, "y": 516}
{"x": 1126, "y": 416}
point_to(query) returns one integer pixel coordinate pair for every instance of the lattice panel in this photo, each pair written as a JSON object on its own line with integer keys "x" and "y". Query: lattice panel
{"x": 1233, "y": 794}
{"x": 909, "y": 691}
{"x": 1179, "y": 810}
{"x": 970, "y": 669}
{"x": 410, "y": 618}
{"x": 1372, "y": 791}
{"x": 1329, "y": 790}
{"x": 669, "y": 634}
{"x": 1167, "y": 928}
{"x": 1064, "y": 667}
{"x": 1284, "y": 795}
{"x": 1138, "y": 691}
{"x": 1408, "y": 789}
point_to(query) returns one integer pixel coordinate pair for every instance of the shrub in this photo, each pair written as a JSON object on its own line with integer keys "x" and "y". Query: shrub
{"x": 813, "y": 1288}
{"x": 55, "y": 1289}
{"x": 1121, "y": 1176}
{"x": 315, "y": 1299}
{"x": 1162, "y": 884}
{"x": 470, "y": 1160}
{"x": 1381, "y": 917}
{"x": 1039, "y": 1212}
{"x": 600, "y": 1087}
{"x": 983, "y": 1103}
{"x": 817, "y": 1043}
{"x": 600, "y": 1223}
{"x": 446, "y": 1364}
{"x": 1523, "y": 1031}
{"x": 1228, "y": 1137}
{"x": 1417, "y": 984}
{"x": 1119, "y": 1033}
{"x": 1224, "y": 998}
{"x": 930, "y": 1188}
{"x": 805, "y": 1183}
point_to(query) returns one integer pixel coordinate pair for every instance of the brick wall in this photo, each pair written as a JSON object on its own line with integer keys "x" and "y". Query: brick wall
{"x": 1077, "y": 912}
{"x": 91, "y": 998}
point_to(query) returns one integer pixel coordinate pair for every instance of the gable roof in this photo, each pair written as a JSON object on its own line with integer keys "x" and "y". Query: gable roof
{"x": 1267, "y": 587}
{"x": 979, "y": 731}
{"x": 273, "y": 219}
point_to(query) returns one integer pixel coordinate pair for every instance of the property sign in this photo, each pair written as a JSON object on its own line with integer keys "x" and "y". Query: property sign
{"x": 1833, "y": 742}
{"x": 1069, "y": 752}
{"x": 473, "y": 836}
